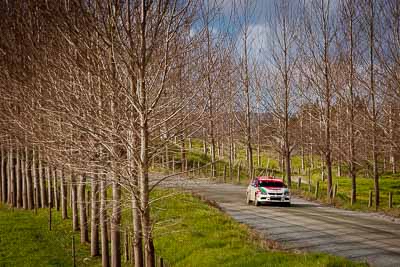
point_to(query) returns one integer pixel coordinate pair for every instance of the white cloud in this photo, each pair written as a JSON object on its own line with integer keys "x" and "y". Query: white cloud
{"x": 258, "y": 41}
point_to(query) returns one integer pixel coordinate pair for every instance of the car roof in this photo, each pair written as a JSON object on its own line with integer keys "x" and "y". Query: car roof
{"x": 269, "y": 179}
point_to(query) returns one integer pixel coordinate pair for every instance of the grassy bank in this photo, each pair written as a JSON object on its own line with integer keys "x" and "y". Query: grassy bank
{"x": 188, "y": 233}
{"x": 26, "y": 241}
{"x": 200, "y": 235}
{"x": 364, "y": 186}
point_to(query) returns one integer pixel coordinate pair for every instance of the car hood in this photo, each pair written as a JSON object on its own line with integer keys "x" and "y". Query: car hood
{"x": 273, "y": 189}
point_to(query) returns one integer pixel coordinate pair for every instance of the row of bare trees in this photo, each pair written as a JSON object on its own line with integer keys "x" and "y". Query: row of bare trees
{"x": 320, "y": 80}
{"x": 93, "y": 91}
{"x": 88, "y": 91}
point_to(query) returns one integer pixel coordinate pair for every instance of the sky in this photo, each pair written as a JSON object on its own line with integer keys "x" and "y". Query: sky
{"x": 261, "y": 13}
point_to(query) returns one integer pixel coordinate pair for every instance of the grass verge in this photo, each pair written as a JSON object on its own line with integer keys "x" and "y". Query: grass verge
{"x": 191, "y": 233}
{"x": 26, "y": 241}
{"x": 188, "y": 233}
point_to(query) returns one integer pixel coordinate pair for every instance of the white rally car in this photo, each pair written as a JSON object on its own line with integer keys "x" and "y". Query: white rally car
{"x": 262, "y": 190}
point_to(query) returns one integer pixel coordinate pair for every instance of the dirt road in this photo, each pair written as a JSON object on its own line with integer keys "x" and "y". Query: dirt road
{"x": 306, "y": 225}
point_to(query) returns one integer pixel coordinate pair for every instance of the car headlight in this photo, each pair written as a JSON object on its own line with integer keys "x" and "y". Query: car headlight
{"x": 286, "y": 193}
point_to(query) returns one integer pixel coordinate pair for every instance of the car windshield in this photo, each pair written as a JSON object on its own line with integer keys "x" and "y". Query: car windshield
{"x": 271, "y": 184}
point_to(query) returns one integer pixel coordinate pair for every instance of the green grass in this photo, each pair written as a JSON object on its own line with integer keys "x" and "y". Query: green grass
{"x": 388, "y": 183}
{"x": 26, "y": 241}
{"x": 188, "y": 233}
{"x": 200, "y": 235}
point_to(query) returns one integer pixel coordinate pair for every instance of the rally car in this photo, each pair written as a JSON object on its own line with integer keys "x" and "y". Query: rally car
{"x": 265, "y": 189}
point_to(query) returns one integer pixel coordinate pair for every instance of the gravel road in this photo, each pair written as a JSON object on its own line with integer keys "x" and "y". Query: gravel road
{"x": 307, "y": 226}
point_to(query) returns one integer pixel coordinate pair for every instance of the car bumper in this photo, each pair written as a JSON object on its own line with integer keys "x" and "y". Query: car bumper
{"x": 269, "y": 199}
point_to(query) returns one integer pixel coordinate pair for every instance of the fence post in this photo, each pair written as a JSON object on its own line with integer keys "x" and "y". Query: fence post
{"x": 334, "y": 191}
{"x": 299, "y": 183}
{"x": 161, "y": 262}
{"x": 238, "y": 174}
{"x": 337, "y": 188}
{"x": 390, "y": 200}
{"x": 224, "y": 173}
{"x": 36, "y": 204}
{"x": 317, "y": 189}
{"x": 173, "y": 164}
{"x": 370, "y": 199}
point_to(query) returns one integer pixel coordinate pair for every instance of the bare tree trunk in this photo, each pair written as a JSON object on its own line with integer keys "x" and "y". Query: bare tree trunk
{"x": 94, "y": 232}
{"x": 82, "y": 209}
{"x": 183, "y": 153}
{"x": 29, "y": 185}
{"x": 392, "y": 157}
{"x": 328, "y": 147}
{"x": 249, "y": 148}
{"x": 105, "y": 259}
{"x": 373, "y": 103}
{"x": 43, "y": 200}
{"x": 13, "y": 184}
{"x": 352, "y": 163}
{"x": 64, "y": 195}
{"x": 205, "y": 149}
{"x": 302, "y": 141}
{"x": 135, "y": 202}
{"x": 3, "y": 176}
{"x": 137, "y": 234}
{"x": 35, "y": 179}
{"x": 74, "y": 202}
{"x": 49, "y": 184}
{"x": 18, "y": 177}
{"x": 56, "y": 195}
{"x": 116, "y": 224}
{"x": 24, "y": 179}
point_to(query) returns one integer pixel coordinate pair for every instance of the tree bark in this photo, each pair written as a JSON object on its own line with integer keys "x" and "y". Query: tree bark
{"x": 74, "y": 202}
{"x": 3, "y": 176}
{"x": 105, "y": 259}
{"x": 29, "y": 185}
{"x": 24, "y": 180}
{"x": 43, "y": 199}
{"x": 94, "y": 234}
{"x": 56, "y": 195}
{"x": 82, "y": 209}
{"x": 64, "y": 195}
{"x": 373, "y": 103}
{"x": 13, "y": 184}
{"x": 35, "y": 179}
{"x": 116, "y": 224}
{"x": 18, "y": 178}
{"x": 49, "y": 184}
{"x": 137, "y": 233}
